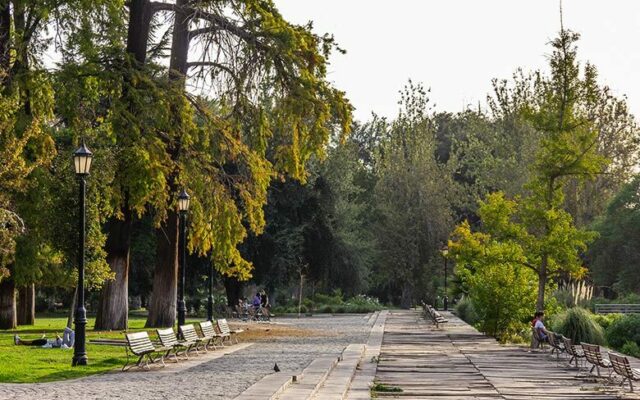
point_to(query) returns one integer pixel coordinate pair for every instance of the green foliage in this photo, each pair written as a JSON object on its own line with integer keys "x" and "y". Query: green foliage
{"x": 624, "y": 329}
{"x": 466, "y": 311}
{"x": 615, "y": 263}
{"x": 579, "y": 325}
{"x": 605, "y": 320}
{"x": 412, "y": 194}
{"x": 631, "y": 348}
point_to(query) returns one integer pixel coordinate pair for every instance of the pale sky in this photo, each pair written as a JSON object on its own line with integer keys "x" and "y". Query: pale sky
{"x": 457, "y": 46}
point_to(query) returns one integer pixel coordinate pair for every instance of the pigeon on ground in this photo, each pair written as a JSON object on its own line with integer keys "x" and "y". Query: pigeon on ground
{"x": 275, "y": 368}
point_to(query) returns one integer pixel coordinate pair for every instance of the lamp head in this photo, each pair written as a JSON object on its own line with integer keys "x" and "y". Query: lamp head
{"x": 82, "y": 158}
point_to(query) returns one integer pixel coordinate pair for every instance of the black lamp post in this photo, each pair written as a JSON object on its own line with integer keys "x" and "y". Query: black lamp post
{"x": 445, "y": 253}
{"x": 210, "y": 299}
{"x": 183, "y": 207}
{"x": 82, "y": 163}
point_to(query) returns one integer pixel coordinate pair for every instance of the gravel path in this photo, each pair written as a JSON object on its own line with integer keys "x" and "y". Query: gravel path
{"x": 222, "y": 377}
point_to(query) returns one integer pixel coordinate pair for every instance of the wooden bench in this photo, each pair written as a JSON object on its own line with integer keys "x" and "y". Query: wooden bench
{"x": 617, "y": 308}
{"x": 594, "y": 357}
{"x": 622, "y": 367}
{"x": 432, "y": 313}
{"x": 226, "y": 331}
{"x": 572, "y": 350}
{"x": 190, "y": 335}
{"x": 536, "y": 339}
{"x": 169, "y": 340}
{"x": 556, "y": 343}
{"x": 139, "y": 345}
{"x": 209, "y": 334}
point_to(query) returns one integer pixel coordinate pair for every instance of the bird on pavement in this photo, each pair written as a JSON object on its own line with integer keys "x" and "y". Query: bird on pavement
{"x": 275, "y": 368}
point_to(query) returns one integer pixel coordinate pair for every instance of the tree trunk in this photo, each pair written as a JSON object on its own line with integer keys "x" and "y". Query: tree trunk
{"x": 72, "y": 308}
{"x": 233, "y": 289}
{"x": 407, "y": 296}
{"x": 114, "y": 302}
{"x": 8, "y": 319}
{"x": 542, "y": 284}
{"x": 27, "y": 305}
{"x": 162, "y": 307}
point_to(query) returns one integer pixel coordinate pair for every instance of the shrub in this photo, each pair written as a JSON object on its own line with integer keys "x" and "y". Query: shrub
{"x": 579, "y": 325}
{"x": 327, "y": 309}
{"x": 631, "y": 349}
{"x": 604, "y": 320}
{"x": 465, "y": 311}
{"x": 622, "y": 330}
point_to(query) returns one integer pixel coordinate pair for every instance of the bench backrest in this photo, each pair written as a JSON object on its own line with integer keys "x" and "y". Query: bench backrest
{"x": 592, "y": 353}
{"x": 621, "y": 365}
{"x": 167, "y": 337}
{"x": 139, "y": 343}
{"x": 207, "y": 329}
{"x": 569, "y": 346}
{"x": 224, "y": 326}
{"x": 189, "y": 333}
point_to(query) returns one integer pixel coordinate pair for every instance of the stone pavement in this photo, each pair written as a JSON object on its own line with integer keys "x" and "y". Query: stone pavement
{"x": 218, "y": 375}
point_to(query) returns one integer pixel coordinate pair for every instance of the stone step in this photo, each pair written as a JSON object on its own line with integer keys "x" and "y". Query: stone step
{"x": 269, "y": 387}
{"x": 360, "y": 388}
{"x": 339, "y": 379}
{"x": 310, "y": 380}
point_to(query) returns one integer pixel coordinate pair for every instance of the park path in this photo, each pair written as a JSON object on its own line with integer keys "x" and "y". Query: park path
{"x": 221, "y": 374}
{"x": 457, "y": 362}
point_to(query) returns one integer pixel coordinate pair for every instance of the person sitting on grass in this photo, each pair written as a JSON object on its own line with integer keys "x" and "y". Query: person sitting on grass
{"x": 64, "y": 342}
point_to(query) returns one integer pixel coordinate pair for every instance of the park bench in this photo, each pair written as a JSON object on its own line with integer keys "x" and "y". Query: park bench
{"x": 594, "y": 357}
{"x": 617, "y": 308}
{"x": 139, "y": 345}
{"x": 226, "y": 331}
{"x": 209, "y": 334}
{"x": 556, "y": 343}
{"x": 572, "y": 350}
{"x": 169, "y": 340}
{"x": 536, "y": 339}
{"x": 190, "y": 335}
{"x": 622, "y": 367}
{"x": 432, "y": 313}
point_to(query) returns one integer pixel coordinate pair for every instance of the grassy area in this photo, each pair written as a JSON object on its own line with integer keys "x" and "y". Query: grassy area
{"x": 35, "y": 364}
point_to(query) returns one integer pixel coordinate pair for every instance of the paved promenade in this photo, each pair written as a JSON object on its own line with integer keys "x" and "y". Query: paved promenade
{"x": 221, "y": 374}
{"x": 457, "y": 362}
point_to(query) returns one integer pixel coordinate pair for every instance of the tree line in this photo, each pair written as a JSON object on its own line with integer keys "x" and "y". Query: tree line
{"x": 232, "y": 102}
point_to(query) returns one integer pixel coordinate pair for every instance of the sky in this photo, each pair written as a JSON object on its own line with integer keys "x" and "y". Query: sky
{"x": 456, "y": 47}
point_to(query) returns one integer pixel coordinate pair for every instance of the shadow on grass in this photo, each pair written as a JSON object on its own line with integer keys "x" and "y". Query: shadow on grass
{"x": 101, "y": 367}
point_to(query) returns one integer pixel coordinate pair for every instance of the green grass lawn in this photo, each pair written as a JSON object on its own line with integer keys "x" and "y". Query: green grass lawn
{"x": 34, "y": 364}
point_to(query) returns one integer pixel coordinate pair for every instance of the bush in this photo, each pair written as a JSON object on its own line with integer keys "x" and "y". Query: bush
{"x": 622, "y": 330}
{"x": 631, "y": 349}
{"x": 604, "y": 320}
{"x": 327, "y": 309}
{"x": 579, "y": 325}
{"x": 465, "y": 311}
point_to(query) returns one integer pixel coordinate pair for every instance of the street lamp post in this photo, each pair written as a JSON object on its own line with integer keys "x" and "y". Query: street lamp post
{"x": 210, "y": 299}
{"x": 183, "y": 207}
{"x": 445, "y": 253}
{"x": 82, "y": 158}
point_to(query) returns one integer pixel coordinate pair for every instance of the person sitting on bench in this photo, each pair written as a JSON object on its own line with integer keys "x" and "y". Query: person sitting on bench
{"x": 541, "y": 330}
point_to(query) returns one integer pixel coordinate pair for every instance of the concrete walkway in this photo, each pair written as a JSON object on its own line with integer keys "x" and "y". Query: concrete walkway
{"x": 458, "y": 362}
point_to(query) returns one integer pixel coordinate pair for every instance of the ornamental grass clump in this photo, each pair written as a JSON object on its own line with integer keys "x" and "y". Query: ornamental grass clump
{"x": 579, "y": 325}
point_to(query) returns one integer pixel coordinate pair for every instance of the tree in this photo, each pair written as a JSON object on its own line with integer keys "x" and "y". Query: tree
{"x": 614, "y": 258}
{"x": 219, "y": 146}
{"x": 412, "y": 199}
